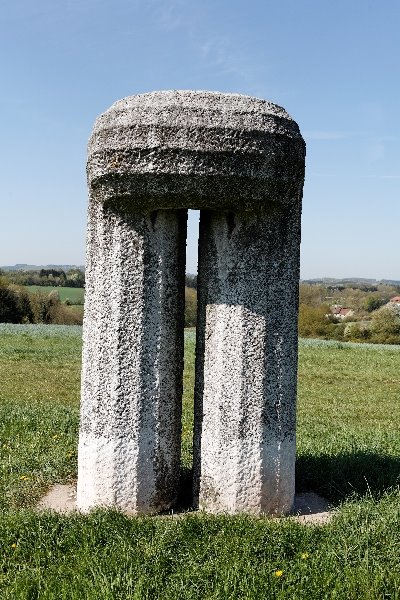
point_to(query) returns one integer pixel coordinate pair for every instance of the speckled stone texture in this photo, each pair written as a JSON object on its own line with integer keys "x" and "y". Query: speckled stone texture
{"x": 129, "y": 444}
{"x": 245, "y": 399}
{"x": 184, "y": 149}
{"x": 241, "y": 161}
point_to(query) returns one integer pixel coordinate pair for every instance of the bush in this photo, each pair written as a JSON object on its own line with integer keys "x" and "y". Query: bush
{"x": 386, "y": 325}
{"x": 357, "y": 332}
{"x": 374, "y": 302}
{"x": 63, "y": 315}
{"x": 43, "y": 306}
{"x": 316, "y": 321}
{"x": 15, "y": 305}
{"x": 190, "y": 307}
{"x": 18, "y": 306}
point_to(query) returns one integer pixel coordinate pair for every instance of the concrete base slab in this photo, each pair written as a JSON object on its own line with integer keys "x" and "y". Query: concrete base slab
{"x": 309, "y": 508}
{"x": 60, "y": 498}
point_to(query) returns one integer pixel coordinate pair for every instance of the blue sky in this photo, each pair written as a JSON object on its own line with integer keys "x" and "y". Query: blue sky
{"x": 333, "y": 65}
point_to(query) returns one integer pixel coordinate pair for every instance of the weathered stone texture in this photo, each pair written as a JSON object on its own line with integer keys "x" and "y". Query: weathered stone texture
{"x": 245, "y": 398}
{"x": 129, "y": 448}
{"x": 184, "y": 149}
{"x": 241, "y": 161}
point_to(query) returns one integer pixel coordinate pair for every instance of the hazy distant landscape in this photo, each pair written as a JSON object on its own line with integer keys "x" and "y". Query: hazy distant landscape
{"x": 353, "y": 310}
{"x": 314, "y": 281}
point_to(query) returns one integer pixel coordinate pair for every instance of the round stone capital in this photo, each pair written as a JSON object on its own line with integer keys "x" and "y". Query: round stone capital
{"x": 193, "y": 149}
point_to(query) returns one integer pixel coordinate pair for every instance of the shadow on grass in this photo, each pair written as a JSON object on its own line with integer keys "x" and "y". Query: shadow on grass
{"x": 184, "y": 502}
{"x": 333, "y": 477}
{"x": 338, "y": 477}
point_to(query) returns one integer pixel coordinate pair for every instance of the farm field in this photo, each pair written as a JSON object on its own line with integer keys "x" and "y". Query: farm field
{"x": 348, "y": 451}
{"x": 74, "y": 295}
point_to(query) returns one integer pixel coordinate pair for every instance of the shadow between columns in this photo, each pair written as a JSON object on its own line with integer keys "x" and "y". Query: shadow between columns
{"x": 184, "y": 501}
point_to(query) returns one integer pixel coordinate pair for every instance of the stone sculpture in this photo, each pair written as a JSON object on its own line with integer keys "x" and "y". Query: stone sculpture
{"x": 240, "y": 160}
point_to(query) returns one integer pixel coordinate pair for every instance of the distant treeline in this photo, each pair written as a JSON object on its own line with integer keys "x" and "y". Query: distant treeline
{"x": 191, "y": 281}
{"x": 60, "y": 278}
{"x": 19, "y": 306}
{"x": 352, "y": 282}
{"x": 56, "y": 278}
{"x": 371, "y": 317}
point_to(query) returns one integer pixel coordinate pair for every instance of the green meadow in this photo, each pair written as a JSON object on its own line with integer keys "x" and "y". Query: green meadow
{"x": 348, "y": 441}
{"x": 74, "y": 295}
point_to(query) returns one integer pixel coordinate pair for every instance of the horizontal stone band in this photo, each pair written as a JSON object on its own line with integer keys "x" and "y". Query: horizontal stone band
{"x": 205, "y": 109}
{"x": 195, "y": 150}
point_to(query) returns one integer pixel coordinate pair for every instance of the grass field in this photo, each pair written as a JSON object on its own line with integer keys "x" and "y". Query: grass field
{"x": 348, "y": 450}
{"x": 74, "y": 295}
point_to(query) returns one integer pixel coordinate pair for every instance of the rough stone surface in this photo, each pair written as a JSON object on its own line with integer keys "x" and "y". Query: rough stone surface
{"x": 241, "y": 161}
{"x": 245, "y": 397}
{"x": 181, "y": 149}
{"x": 129, "y": 444}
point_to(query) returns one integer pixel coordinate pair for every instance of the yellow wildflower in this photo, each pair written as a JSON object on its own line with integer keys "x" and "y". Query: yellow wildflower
{"x": 304, "y": 556}
{"x": 24, "y": 477}
{"x": 278, "y": 573}
{"x": 13, "y": 545}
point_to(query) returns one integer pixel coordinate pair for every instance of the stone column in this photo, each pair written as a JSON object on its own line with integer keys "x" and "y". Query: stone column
{"x": 240, "y": 160}
{"x": 247, "y": 360}
{"x": 129, "y": 445}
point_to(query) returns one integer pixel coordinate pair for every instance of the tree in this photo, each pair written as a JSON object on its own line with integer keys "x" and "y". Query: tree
{"x": 312, "y": 295}
{"x": 316, "y": 321}
{"x": 75, "y": 278}
{"x": 191, "y": 281}
{"x": 357, "y": 332}
{"x": 386, "y": 325}
{"x": 372, "y": 303}
{"x": 15, "y": 305}
{"x": 8, "y": 306}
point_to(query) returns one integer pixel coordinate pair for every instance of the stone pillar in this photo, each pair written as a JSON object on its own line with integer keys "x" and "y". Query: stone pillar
{"x": 247, "y": 360}
{"x": 240, "y": 160}
{"x": 129, "y": 445}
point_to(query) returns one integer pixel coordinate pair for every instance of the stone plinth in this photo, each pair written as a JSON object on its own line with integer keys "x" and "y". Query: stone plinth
{"x": 241, "y": 161}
